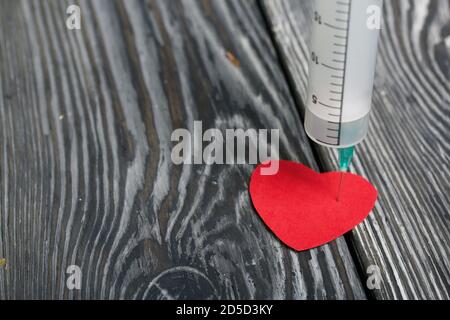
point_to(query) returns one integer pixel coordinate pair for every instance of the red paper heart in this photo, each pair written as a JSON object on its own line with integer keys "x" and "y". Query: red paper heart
{"x": 300, "y": 205}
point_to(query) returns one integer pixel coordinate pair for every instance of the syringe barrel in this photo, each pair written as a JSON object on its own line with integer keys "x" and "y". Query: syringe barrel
{"x": 343, "y": 47}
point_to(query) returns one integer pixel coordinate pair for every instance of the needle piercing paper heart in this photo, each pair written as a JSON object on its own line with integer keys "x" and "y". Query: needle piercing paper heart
{"x": 300, "y": 205}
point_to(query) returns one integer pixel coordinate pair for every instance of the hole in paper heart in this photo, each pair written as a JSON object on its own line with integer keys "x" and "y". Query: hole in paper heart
{"x": 300, "y": 205}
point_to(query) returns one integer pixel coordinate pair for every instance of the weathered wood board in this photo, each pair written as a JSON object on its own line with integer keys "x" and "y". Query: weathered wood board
{"x": 407, "y": 152}
{"x": 85, "y": 171}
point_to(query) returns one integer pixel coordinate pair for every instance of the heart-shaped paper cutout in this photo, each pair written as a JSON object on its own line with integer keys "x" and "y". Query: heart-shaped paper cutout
{"x": 300, "y": 205}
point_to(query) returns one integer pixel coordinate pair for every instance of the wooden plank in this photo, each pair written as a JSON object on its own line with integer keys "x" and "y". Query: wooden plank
{"x": 86, "y": 176}
{"x": 406, "y": 154}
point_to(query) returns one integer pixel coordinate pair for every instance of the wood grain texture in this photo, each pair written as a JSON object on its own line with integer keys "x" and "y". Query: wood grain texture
{"x": 406, "y": 154}
{"x": 86, "y": 177}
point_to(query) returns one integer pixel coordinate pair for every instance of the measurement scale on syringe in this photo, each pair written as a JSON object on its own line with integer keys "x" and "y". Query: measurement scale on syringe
{"x": 343, "y": 54}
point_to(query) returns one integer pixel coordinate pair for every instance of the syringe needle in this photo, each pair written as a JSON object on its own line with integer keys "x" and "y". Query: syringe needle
{"x": 345, "y": 157}
{"x": 340, "y": 186}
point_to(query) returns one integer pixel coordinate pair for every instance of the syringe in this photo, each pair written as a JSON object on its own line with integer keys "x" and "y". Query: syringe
{"x": 344, "y": 43}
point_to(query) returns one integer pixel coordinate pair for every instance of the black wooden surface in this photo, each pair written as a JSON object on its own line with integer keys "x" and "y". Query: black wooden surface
{"x": 406, "y": 154}
{"x": 85, "y": 170}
